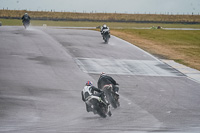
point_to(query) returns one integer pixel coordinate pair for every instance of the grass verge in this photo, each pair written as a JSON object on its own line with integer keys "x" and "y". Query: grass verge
{"x": 180, "y": 46}
{"x": 112, "y": 25}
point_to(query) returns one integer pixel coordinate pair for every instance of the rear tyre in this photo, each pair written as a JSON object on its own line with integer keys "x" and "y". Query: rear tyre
{"x": 100, "y": 112}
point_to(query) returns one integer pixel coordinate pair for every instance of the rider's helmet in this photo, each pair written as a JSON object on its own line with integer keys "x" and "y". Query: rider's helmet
{"x": 25, "y": 13}
{"x": 88, "y": 83}
{"x": 103, "y": 73}
{"x": 104, "y": 26}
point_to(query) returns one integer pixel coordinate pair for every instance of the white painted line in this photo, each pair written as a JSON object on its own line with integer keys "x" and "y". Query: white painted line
{"x": 191, "y": 73}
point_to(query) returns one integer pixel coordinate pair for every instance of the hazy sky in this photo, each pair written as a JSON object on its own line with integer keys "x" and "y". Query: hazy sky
{"x": 109, "y": 6}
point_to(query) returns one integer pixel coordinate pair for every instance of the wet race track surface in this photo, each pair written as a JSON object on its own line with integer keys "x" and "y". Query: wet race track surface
{"x": 43, "y": 71}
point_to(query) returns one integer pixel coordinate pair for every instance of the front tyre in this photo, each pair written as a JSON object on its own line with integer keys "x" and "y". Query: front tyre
{"x": 113, "y": 103}
{"x": 106, "y": 38}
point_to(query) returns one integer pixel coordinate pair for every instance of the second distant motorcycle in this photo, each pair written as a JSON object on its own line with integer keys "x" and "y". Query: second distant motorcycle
{"x": 105, "y": 32}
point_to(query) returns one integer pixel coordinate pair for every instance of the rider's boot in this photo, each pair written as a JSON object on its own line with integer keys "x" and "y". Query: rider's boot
{"x": 117, "y": 93}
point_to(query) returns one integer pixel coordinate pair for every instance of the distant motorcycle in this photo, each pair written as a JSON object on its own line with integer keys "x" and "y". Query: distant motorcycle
{"x": 106, "y": 35}
{"x": 26, "y": 23}
{"x": 111, "y": 96}
{"x": 98, "y": 106}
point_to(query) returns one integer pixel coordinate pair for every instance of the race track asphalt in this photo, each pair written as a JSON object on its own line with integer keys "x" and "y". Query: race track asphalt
{"x": 43, "y": 71}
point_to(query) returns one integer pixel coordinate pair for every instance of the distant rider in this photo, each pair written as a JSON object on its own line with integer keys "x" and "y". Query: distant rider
{"x": 26, "y": 18}
{"x": 104, "y": 28}
{"x": 89, "y": 90}
{"x": 105, "y": 80}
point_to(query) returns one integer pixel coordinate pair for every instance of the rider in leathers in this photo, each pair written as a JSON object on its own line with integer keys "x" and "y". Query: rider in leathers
{"x": 105, "y": 80}
{"x": 104, "y": 28}
{"x": 88, "y": 90}
{"x": 26, "y": 18}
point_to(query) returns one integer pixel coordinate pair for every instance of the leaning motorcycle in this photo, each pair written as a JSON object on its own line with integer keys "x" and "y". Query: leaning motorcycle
{"x": 98, "y": 106}
{"x": 106, "y": 35}
{"x": 26, "y": 23}
{"x": 111, "y": 96}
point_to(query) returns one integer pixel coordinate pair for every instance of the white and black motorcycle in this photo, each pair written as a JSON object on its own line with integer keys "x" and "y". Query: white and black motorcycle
{"x": 106, "y": 35}
{"x": 98, "y": 106}
{"x": 111, "y": 96}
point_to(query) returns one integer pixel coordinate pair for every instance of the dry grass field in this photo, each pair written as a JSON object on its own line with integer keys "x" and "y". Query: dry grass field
{"x": 106, "y": 17}
{"x": 180, "y": 46}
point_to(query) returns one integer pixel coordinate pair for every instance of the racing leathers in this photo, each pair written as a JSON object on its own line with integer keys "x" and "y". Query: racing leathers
{"x": 104, "y": 28}
{"x": 90, "y": 90}
{"x": 26, "y": 18}
{"x": 105, "y": 80}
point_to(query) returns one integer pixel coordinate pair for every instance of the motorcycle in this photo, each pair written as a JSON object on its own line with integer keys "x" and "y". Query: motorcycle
{"x": 98, "y": 106}
{"x": 111, "y": 96}
{"x": 106, "y": 35}
{"x": 26, "y": 23}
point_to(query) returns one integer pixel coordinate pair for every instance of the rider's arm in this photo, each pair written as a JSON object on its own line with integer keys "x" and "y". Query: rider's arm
{"x": 112, "y": 80}
{"x": 96, "y": 89}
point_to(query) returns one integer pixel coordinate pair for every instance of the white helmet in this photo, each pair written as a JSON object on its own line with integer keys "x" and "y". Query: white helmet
{"x": 104, "y": 26}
